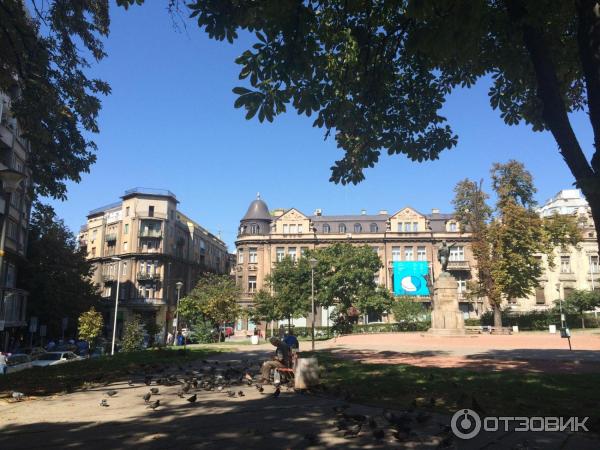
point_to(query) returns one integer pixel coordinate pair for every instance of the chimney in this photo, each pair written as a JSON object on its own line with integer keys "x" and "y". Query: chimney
{"x": 318, "y": 212}
{"x": 383, "y": 212}
{"x": 363, "y": 212}
{"x": 435, "y": 211}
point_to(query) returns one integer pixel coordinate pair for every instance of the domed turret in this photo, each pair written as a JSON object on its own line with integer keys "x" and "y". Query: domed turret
{"x": 257, "y": 219}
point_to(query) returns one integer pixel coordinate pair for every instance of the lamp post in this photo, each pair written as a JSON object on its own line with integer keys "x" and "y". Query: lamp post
{"x": 313, "y": 263}
{"x": 178, "y": 286}
{"x": 564, "y": 331}
{"x": 112, "y": 348}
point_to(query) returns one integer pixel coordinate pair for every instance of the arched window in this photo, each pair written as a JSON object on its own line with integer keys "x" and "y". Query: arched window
{"x": 342, "y": 228}
{"x": 254, "y": 228}
{"x": 357, "y": 228}
{"x": 326, "y": 228}
{"x": 374, "y": 228}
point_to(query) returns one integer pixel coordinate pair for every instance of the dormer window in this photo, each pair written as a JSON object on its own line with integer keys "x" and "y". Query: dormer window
{"x": 342, "y": 228}
{"x": 452, "y": 226}
{"x": 326, "y": 228}
{"x": 254, "y": 229}
{"x": 357, "y": 228}
{"x": 374, "y": 228}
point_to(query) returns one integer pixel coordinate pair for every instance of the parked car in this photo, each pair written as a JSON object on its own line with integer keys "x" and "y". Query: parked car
{"x": 17, "y": 362}
{"x": 34, "y": 352}
{"x": 54, "y": 358}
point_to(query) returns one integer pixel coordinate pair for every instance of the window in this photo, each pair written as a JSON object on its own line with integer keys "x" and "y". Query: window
{"x": 124, "y": 268}
{"x": 12, "y": 230}
{"x": 303, "y": 250}
{"x": 286, "y": 228}
{"x": 409, "y": 254}
{"x": 594, "y": 264}
{"x": 279, "y": 254}
{"x": 11, "y": 276}
{"x": 567, "y": 292}
{"x": 357, "y": 228}
{"x": 326, "y": 228}
{"x": 151, "y": 211}
{"x": 299, "y": 228}
{"x": 395, "y": 253}
{"x": 415, "y": 226}
{"x": 93, "y": 251}
{"x": 421, "y": 254}
{"x": 462, "y": 285}
{"x": 252, "y": 256}
{"x": 254, "y": 229}
{"x": 342, "y": 228}
{"x": 293, "y": 229}
{"x": 126, "y": 228}
{"x": 540, "y": 296}
{"x": 565, "y": 264}
{"x": 400, "y": 227}
{"x": 251, "y": 284}
{"x": 373, "y": 228}
{"x": 94, "y": 233}
{"x": 127, "y": 211}
{"x": 407, "y": 227}
{"x": 292, "y": 253}
{"x": 452, "y": 226}
{"x": 125, "y": 246}
{"x": 457, "y": 253}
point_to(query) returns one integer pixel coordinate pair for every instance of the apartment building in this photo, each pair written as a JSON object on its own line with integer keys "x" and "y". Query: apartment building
{"x": 15, "y": 208}
{"x": 265, "y": 237}
{"x": 575, "y": 267}
{"x": 146, "y": 245}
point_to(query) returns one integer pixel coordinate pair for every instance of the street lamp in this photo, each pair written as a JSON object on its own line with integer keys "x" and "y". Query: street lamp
{"x": 313, "y": 263}
{"x": 564, "y": 331}
{"x": 178, "y": 285}
{"x": 112, "y": 348}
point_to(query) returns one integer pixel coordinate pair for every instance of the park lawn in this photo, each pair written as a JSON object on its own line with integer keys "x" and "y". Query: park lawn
{"x": 40, "y": 381}
{"x": 445, "y": 390}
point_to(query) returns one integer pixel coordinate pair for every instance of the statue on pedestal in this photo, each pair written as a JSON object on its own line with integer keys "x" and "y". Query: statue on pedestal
{"x": 444, "y": 255}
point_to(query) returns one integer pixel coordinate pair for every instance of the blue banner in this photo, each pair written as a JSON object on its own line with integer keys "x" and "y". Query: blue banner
{"x": 409, "y": 277}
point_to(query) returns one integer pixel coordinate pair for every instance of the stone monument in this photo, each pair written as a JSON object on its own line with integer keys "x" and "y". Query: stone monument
{"x": 446, "y": 318}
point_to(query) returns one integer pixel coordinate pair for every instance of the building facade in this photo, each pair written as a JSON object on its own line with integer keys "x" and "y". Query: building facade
{"x": 146, "y": 245}
{"x": 574, "y": 267}
{"x": 15, "y": 208}
{"x": 266, "y": 237}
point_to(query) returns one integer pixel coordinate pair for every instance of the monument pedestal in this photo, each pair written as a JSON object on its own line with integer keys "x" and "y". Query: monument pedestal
{"x": 446, "y": 318}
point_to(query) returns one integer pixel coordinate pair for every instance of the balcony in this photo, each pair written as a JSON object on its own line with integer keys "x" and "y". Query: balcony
{"x": 156, "y": 234}
{"x": 144, "y": 276}
{"x": 111, "y": 238}
{"x": 13, "y": 305}
{"x": 108, "y": 278}
{"x": 459, "y": 265}
{"x": 141, "y": 302}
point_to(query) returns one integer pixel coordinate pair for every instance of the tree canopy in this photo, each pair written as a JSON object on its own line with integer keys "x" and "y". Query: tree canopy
{"x": 45, "y": 52}
{"x": 509, "y": 240}
{"x": 580, "y": 301}
{"x": 90, "y": 326}
{"x": 56, "y": 273}
{"x": 290, "y": 282}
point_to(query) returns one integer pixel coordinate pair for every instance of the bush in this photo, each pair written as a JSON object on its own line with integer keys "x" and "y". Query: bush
{"x": 472, "y": 322}
{"x": 537, "y": 320}
{"x": 134, "y": 335}
{"x": 203, "y": 333}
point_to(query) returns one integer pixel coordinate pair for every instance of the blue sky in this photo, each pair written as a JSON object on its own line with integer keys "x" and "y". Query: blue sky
{"x": 170, "y": 123}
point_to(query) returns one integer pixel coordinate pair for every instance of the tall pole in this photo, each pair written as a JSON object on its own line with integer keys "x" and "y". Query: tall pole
{"x": 112, "y": 348}
{"x": 178, "y": 285}
{"x": 312, "y": 298}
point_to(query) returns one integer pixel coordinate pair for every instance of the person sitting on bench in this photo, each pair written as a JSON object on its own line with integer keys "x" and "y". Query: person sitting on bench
{"x": 282, "y": 358}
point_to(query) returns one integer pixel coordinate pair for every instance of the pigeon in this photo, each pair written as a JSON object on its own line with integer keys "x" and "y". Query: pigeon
{"x": 354, "y": 431}
{"x": 341, "y": 424}
{"x": 180, "y": 394}
{"x": 18, "y": 396}
{"x": 259, "y": 388}
{"x": 104, "y": 403}
{"x": 186, "y": 388}
{"x": 154, "y": 390}
{"x": 111, "y": 393}
{"x": 230, "y": 393}
{"x": 378, "y": 434}
{"x": 400, "y": 435}
{"x": 240, "y": 393}
{"x": 130, "y": 382}
{"x": 147, "y": 396}
{"x": 248, "y": 377}
{"x": 277, "y": 392}
{"x": 192, "y": 399}
{"x": 219, "y": 388}
{"x": 148, "y": 380}
{"x": 155, "y": 404}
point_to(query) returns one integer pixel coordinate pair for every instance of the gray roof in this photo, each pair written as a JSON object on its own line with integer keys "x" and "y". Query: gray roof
{"x": 258, "y": 210}
{"x": 351, "y": 218}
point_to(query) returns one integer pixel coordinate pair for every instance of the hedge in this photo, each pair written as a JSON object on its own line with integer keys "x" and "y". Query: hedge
{"x": 538, "y": 320}
{"x": 367, "y": 328}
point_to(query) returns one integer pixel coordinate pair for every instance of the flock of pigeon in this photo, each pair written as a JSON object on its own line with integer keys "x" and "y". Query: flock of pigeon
{"x": 212, "y": 376}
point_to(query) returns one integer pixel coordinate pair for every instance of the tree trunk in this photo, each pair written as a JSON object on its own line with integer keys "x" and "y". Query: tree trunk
{"x": 497, "y": 315}
{"x": 290, "y": 324}
{"x": 582, "y": 320}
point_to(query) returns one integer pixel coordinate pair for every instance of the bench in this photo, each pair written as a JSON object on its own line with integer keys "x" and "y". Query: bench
{"x": 286, "y": 372}
{"x": 501, "y": 330}
{"x": 473, "y": 329}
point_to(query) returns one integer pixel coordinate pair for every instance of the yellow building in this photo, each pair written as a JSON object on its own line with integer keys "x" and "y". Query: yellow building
{"x": 266, "y": 237}
{"x": 155, "y": 245}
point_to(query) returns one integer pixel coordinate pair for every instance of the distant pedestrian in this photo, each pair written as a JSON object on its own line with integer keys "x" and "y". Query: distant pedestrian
{"x": 3, "y": 363}
{"x": 179, "y": 338}
{"x": 281, "y": 331}
{"x": 170, "y": 338}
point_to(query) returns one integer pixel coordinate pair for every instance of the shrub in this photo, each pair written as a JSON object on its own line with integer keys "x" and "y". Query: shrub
{"x": 203, "y": 333}
{"x": 538, "y": 320}
{"x": 134, "y": 335}
{"x": 472, "y": 322}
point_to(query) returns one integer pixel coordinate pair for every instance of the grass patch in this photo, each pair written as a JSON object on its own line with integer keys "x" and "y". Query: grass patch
{"x": 66, "y": 377}
{"x": 505, "y": 393}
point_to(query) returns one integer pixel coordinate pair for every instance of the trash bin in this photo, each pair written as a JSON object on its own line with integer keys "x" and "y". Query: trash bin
{"x": 515, "y": 328}
{"x": 254, "y": 339}
{"x": 552, "y": 329}
{"x": 307, "y": 373}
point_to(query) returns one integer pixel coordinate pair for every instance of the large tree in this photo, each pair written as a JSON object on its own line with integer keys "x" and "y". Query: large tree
{"x": 509, "y": 240}
{"x": 580, "y": 301}
{"x": 56, "y": 273}
{"x": 377, "y": 73}
{"x": 44, "y": 53}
